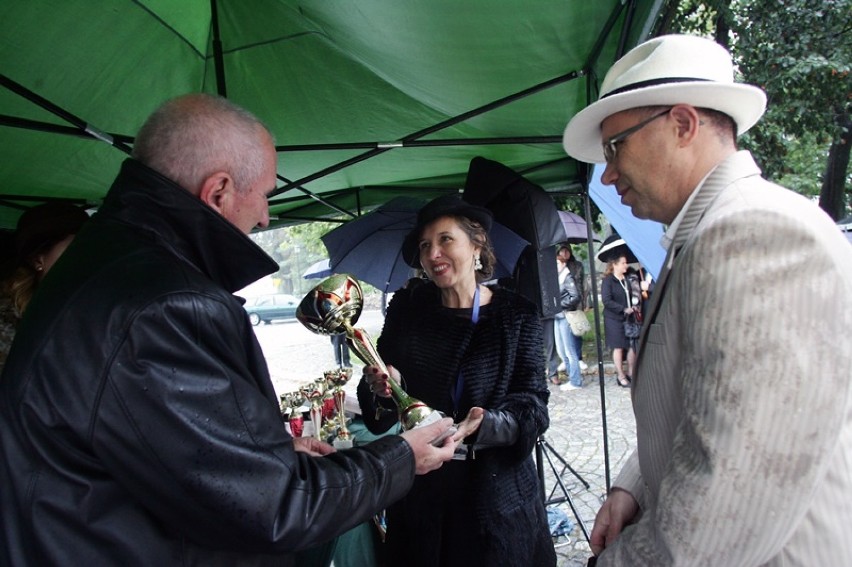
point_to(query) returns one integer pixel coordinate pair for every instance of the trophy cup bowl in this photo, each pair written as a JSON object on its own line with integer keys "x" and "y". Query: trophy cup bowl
{"x": 333, "y": 307}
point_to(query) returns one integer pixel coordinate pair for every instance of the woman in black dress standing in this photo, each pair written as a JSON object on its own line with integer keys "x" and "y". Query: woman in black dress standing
{"x": 618, "y": 304}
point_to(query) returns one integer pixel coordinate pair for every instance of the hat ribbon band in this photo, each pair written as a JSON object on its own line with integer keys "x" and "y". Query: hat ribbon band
{"x": 653, "y": 83}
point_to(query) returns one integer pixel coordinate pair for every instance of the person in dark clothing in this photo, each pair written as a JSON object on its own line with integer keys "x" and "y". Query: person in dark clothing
{"x": 473, "y": 352}
{"x": 341, "y": 350}
{"x": 138, "y": 422}
{"x": 618, "y": 304}
{"x": 42, "y": 235}
{"x": 578, "y": 273}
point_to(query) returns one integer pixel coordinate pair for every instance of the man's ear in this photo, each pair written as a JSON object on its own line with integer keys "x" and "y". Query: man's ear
{"x": 216, "y": 190}
{"x": 687, "y": 120}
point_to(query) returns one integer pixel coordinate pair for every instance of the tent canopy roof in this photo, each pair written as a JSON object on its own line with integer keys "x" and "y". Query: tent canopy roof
{"x": 367, "y": 100}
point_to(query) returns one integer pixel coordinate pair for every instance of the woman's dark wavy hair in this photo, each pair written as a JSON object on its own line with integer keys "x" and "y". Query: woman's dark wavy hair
{"x": 480, "y": 238}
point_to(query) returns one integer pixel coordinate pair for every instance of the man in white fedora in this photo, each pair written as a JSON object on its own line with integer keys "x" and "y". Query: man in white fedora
{"x": 743, "y": 386}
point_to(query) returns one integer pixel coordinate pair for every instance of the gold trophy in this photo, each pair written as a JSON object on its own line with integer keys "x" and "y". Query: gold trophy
{"x": 333, "y": 307}
{"x": 315, "y": 393}
{"x": 290, "y": 404}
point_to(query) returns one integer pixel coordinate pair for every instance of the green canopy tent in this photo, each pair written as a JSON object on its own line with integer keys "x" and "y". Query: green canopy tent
{"x": 367, "y": 99}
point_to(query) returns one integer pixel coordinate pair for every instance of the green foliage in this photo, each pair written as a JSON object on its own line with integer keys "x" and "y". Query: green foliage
{"x": 295, "y": 248}
{"x": 800, "y": 53}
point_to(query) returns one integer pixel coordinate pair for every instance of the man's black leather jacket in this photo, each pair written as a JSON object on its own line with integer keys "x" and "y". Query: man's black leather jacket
{"x": 137, "y": 419}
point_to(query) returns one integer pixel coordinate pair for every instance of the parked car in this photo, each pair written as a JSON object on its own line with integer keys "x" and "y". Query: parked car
{"x": 265, "y": 308}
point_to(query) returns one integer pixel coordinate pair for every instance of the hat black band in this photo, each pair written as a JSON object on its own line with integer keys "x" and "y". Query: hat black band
{"x": 653, "y": 83}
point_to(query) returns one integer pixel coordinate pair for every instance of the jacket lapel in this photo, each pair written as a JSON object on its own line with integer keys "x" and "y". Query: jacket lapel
{"x": 736, "y": 166}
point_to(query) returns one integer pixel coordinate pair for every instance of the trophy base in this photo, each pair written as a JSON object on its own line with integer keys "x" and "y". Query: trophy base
{"x": 429, "y": 419}
{"x": 343, "y": 444}
{"x": 432, "y": 418}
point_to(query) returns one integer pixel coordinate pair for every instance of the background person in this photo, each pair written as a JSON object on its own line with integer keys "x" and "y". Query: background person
{"x": 137, "y": 419}
{"x": 578, "y": 272}
{"x": 616, "y": 298}
{"x": 341, "y": 350}
{"x": 569, "y": 300}
{"x": 472, "y": 350}
{"x": 732, "y": 466}
{"x": 41, "y": 236}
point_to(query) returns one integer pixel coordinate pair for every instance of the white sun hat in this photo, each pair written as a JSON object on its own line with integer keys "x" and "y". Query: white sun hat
{"x": 670, "y": 69}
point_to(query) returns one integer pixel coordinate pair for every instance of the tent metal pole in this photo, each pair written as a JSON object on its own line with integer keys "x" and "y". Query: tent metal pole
{"x": 628, "y": 21}
{"x": 218, "y": 58}
{"x": 420, "y": 143}
{"x": 38, "y": 126}
{"x": 595, "y": 52}
{"x": 598, "y": 345}
{"x": 313, "y": 196}
{"x": 80, "y": 124}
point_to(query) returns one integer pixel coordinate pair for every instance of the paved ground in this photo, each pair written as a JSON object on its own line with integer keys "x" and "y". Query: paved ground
{"x": 296, "y": 356}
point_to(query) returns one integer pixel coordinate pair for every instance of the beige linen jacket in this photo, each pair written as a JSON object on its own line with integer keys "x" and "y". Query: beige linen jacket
{"x": 743, "y": 387}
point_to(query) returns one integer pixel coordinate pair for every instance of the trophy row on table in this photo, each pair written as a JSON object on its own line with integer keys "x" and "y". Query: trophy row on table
{"x": 325, "y": 399}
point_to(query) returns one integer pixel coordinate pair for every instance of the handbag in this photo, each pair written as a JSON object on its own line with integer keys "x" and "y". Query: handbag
{"x": 632, "y": 327}
{"x": 578, "y": 322}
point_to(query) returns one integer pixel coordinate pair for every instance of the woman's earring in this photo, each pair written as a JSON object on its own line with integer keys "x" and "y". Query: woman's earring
{"x": 477, "y": 264}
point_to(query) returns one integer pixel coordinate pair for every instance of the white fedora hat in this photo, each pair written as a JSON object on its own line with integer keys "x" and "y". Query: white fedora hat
{"x": 670, "y": 69}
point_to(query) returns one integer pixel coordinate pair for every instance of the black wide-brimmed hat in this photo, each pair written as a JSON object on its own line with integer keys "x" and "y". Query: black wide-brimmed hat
{"x": 615, "y": 247}
{"x": 44, "y": 225}
{"x": 445, "y": 205}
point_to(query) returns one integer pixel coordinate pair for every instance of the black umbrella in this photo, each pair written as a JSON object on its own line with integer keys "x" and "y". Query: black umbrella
{"x": 370, "y": 246}
{"x": 575, "y": 228}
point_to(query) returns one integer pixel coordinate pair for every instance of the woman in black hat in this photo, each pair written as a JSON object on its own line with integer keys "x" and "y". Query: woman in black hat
{"x": 42, "y": 235}
{"x": 473, "y": 352}
{"x": 617, "y": 298}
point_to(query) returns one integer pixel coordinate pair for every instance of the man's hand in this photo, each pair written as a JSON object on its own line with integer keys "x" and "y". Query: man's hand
{"x": 311, "y": 446}
{"x": 619, "y": 510}
{"x": 427, "y": 457}
{"x": 470, "y": 424}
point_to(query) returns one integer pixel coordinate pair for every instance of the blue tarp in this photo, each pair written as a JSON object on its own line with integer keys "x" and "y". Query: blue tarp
{"x": 642, "y": 236}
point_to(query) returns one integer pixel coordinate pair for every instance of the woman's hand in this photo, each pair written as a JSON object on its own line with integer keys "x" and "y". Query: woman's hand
{"x": 378, "y": 380}
{"x": 313, "y": 447}
{"x": 628, "y": 311}
{"x": 470, "y": 424}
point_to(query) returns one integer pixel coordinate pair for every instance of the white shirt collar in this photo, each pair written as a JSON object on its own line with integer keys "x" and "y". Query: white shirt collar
{"x": 669, "y": 236}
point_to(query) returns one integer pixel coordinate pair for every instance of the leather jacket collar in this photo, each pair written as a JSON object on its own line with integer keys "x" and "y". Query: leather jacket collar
{"x": 180, "y": 222}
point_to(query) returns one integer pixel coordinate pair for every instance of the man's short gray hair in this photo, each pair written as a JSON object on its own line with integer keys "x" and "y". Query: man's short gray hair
{"x": 190, "y": 137}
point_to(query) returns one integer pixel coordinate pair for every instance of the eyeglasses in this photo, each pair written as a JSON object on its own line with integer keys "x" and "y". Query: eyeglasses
{"x": 610, "y": 148}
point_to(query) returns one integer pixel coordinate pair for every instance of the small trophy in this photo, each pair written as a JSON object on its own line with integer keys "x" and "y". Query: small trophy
{"x": 333, "y": 307}
{"x": 314, "y": 392}
{"x": 336, "y": 379}
{"x": 290, "y": 404}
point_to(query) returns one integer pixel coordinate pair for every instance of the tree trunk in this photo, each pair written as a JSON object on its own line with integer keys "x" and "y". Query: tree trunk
{"x": 832, "y": 196}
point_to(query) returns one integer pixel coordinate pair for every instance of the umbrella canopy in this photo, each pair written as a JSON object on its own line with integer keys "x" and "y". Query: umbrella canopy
{"x": 613, "y": 247}
{"x": 367, "y": 100}
{"x": 575, "y": 228}
{"x": 370, "y": 247}
{"x": 320, "y": 269}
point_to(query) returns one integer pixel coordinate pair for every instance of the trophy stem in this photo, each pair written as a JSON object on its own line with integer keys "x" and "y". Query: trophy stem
{"x": 412, "y": 412}
{"x": 333, "y": 306}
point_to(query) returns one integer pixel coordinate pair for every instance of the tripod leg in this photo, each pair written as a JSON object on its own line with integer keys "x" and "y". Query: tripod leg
{"x": 566, "y": 498}
{"x": 565, "y": 463}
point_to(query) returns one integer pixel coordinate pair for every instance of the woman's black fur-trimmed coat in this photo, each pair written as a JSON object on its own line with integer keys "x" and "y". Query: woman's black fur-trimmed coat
{"x": 501, "y": 358}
